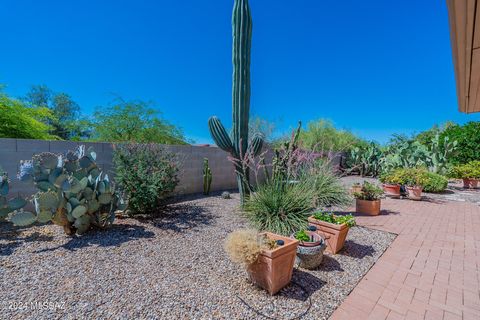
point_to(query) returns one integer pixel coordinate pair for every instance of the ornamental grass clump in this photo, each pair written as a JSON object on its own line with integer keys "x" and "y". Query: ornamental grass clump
{"x": 147, "y": 175}
{"x": 245, "y": 245}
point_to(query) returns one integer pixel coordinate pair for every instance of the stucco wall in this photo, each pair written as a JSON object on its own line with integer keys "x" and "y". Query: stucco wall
{"x": 14, "y": 150}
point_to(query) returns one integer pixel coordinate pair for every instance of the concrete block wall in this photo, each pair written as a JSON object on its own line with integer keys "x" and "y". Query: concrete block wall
{"x": 14, "y": 150}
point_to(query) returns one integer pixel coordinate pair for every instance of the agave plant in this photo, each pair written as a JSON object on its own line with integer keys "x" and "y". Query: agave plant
{"x": 73, "y": 192}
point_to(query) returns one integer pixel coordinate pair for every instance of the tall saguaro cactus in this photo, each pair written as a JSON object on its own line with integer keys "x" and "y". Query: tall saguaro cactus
{"x": 238, "y": 144}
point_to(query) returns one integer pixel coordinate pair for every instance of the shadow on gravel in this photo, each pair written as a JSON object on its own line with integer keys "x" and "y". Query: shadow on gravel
{"x": 303, "y": 285}
{"x": 114, "y": 236}
{"x": 180, "y": 218}
{"x": 329, "y": 263}
{"x": 15, "y": 239}
{"x": 356, "y": 250}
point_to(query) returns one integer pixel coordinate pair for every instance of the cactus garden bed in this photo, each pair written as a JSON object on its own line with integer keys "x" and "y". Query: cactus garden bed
{"x": 171, "y": 266}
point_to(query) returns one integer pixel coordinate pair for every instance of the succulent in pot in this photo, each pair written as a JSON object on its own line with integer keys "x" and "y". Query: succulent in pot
{"x": 267, "y": 257}
{"x": 368, "y": 200}
{"x": 469, "y": 173}
{"x": 414, "y": 179}
{"x": 333, "y": 228}
{"x": 310, "y": 248}
{"x": 392, "y": 182}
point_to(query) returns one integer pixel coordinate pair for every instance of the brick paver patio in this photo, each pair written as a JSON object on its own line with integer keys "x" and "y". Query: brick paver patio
{"x": 431, "y": 270}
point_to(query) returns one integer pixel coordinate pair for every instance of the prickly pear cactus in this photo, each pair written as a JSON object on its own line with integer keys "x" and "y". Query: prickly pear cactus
{"x": 9, "y": 206}
{"x": 73, "y": 191}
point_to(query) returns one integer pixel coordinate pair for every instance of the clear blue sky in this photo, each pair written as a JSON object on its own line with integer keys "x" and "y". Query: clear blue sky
{"x": 375, "y": 67}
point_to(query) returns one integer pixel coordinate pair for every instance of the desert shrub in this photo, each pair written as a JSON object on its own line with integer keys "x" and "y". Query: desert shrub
{"x": 468, "y": 141}
{"x": 244, "y": 246}
{"x": 147, "y": 174}
{"x": 322, "y": 135}
{"x": 329, "y": 190}
{"x": 281, "y": 207}
{"x": 434, "y": 182}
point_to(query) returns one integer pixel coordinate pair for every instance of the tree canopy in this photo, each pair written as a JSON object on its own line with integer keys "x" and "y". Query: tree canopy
{"x": 134, "y": 121}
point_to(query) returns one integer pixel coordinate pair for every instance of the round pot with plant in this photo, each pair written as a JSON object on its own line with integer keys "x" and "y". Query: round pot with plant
{"x": 391, "y": 183}
{"x": 333, "y": 228}
{"x": 469, "y": 173}
{"x": 414, "y": 179}
{"x": 368, "y": 200}
{"x": 310, "y": 248}
{"x": 267, "y": 257}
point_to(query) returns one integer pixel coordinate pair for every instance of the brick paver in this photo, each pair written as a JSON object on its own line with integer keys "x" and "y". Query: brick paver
{"x": 430, "y": 271}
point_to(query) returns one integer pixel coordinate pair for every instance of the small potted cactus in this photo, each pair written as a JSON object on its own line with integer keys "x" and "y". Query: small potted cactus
{"x": 310, "y": 248}
{"x": 267, "y": 257}
{"x": 368, "y": 200}
{"x": 333, "y": 228}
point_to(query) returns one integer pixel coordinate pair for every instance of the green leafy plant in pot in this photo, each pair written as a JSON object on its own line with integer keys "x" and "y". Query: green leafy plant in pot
{"x": 310, "y": 248}
{"x": 469, "y": 173}
{"x": 392, "y": 182}
{"x": 368, "y": 200}
{"x": 333, "y": 228}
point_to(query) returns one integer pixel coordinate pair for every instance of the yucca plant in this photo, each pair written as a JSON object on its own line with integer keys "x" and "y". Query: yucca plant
{"x": 281, "y": 207}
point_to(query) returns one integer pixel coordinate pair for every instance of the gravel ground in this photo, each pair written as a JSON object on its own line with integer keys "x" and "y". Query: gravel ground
{"x": 170, "y": 267}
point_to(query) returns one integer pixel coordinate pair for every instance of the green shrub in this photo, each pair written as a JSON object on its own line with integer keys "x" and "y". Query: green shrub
{"x": 147, "y": 174}
{"x": 322, "y": 135}
{"x": 468, "y": 141}
{"x": 434, "y": 182}
{"x": 281, "y": 207}
{"x": 469, "y": 170}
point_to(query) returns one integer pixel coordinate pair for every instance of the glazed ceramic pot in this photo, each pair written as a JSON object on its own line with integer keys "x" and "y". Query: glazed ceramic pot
{"x": 414, "y": 192}
{"x": 310, "y": 254}
{"x": 334, "y": 234}
{"x": 370, "y": 207}
{"x": 273, "y": 269}
{"x": 391, "y": 190}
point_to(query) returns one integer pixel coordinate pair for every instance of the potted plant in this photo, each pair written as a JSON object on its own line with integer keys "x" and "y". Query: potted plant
{"x": 267, "y": 257}
{"x": 333, "y": 228}
{"x": 368, "y": 200}
{"x": 469, "y": 173}
{"x": 391, "y": 183}
{"x": 414, "y": 180}
{"x": 310, "y": 248}
{"x": 356, "y": 187}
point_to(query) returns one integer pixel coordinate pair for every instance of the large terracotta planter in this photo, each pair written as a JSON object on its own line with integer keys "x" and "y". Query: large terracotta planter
{"x": 370, "y": 207}
{"x": 310, "y": 254}
{"x": 470, "y": 183}
{"x": 391, "y": 190}
{"x": 414, "y": 193}
{"x": 273, "y": 269}
{"x": 334, "y": 234}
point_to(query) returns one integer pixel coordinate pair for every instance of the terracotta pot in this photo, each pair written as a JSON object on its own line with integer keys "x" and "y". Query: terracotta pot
{"x": 273, "y": 269}
{"x": 391, "y": 190}
{"x": 370, "y": 207}
{"x": 356, "y": 189}
{"x": 470, "y": 183}
{"x": 334, "y": 234}
{"x": 310, "y": 254}
{"x": 414, "y": 193}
